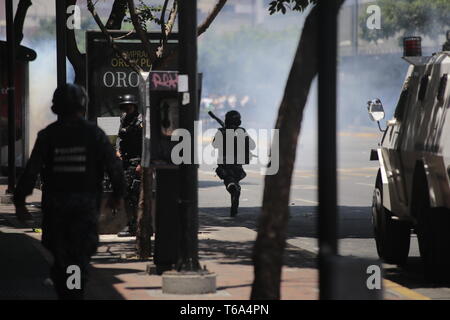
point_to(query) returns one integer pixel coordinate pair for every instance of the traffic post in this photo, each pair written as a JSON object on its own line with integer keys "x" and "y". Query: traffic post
{"x": 11, "y": 57}
{"x": 340, "y": 277}
{"x": 61, "y": 50}
{"x": 189, "y": 277}
{"x": 163, "y": 118}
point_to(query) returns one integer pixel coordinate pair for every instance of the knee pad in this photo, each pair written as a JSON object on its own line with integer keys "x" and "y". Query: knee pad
{"x": 233, "y": 187}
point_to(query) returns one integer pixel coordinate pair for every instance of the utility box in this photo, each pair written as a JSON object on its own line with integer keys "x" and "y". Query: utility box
{"x": 164, "y": 120}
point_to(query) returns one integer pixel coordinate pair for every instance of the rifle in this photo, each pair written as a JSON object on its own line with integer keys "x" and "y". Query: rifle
{"x": 212, "y": 115}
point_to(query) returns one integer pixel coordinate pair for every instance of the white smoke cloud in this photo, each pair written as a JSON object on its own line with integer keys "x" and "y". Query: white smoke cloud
{"x": 42, "y": 84}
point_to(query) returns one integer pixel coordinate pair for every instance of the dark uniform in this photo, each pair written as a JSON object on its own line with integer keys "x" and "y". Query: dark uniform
{"x": 129, "y": 145}
{"x": 129, "y": 142}
{"x": 230, "y": 163}
{"x": 71, "y": 155}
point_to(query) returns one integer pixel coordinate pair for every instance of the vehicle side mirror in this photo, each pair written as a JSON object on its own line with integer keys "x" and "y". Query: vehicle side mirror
{"x": 375, "y": 109}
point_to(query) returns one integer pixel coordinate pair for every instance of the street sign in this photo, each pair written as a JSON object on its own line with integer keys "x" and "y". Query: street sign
{"x": 164, "y": 81}
{"x": 109, "y": 76}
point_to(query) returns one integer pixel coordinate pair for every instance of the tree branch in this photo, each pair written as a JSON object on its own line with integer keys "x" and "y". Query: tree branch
{"x": 210, "y": 18}
{"x": 117, "y": 14}
{"x": 172, "y": 16}
{"x": 140, "y": 31}
{"x": 200, "y": 29}
{"x": 280, "y": 5}
{"x": 163, "y": 16}
{"x": 156, "y": 58}
{"x": 166, "y": 29}
{"x": 110, "y": 39}
{"x": 19, "y": 19}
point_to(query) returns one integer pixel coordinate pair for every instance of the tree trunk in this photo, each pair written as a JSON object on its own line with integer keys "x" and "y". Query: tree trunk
{"x": 271, "y": 240}
{"x": 78, "y": 59}
{"x": 144, "y": 217}
{"x": 19, "y": 19}
{"x": 270, "y": 243}
{"x": 117, "y": 14}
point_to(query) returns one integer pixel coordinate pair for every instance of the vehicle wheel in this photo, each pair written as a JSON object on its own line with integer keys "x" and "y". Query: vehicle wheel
{"x": 434, "y": 241}
{"x": 392, "y": 236}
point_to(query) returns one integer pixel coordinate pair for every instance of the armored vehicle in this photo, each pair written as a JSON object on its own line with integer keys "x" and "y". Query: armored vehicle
{"x": 412, "y": 188}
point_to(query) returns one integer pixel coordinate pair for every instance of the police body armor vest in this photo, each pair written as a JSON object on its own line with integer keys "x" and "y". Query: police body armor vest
{"x": 72, "y": 163}
{"x": 241, "y": 159}
{"x": 131, "y": 137}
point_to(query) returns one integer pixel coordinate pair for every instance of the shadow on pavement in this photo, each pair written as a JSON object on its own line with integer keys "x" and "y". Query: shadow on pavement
{"x": 411, "y": 275}
{"x": 23, "y": 269}
{"x": 354, "y": 222}
{"x": 203, "y": 184}
{"x": 240, "y": 253}
{"x": 101, "y": 283}
{"x": 25, "y": 266}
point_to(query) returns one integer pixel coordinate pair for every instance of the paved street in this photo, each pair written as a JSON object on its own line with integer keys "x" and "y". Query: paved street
{"x": 116, "y": 273}
{"x": 225, "y": 248}
{"x": 356, "y": 177}
{"x": 225, "y": 243}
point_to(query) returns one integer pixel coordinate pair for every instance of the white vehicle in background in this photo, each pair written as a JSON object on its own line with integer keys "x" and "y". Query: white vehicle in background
{"x": 412, "y": 188}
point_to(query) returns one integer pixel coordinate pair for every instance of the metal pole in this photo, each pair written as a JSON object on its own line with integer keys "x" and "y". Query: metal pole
{"x": 144, "y": 220}
{"x": 11, "y": 45}
{"x": 187, "y": 22}
{"x": 61, "y": 20}
{"x": 327, "y": 183}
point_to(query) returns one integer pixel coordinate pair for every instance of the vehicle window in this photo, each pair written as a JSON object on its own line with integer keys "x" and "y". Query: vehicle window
{"x": 442, "y": 87}
{"x": 423, "y": 87}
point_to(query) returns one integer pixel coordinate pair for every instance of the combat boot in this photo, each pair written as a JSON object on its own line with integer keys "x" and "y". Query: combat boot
{"x": 235, "y": 193}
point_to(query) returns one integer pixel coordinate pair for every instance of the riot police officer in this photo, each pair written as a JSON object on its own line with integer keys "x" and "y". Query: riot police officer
{"x": 71, "y": 155}
{"x": 230, "y": 162}
{"x": 129, "y": 149}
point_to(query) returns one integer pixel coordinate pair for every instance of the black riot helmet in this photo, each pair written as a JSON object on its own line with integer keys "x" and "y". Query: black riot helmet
{"x": 69, "y": 99}
{"x": 232, "y": 119}
{"x": 127, "y": 99}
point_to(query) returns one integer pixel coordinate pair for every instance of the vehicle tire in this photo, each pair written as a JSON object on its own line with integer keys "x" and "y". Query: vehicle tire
{"x": 434, "y": 241}
{"x": 392, "y": 237}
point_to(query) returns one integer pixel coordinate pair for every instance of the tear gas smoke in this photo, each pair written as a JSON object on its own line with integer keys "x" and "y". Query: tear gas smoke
{"x": 43, "y": 82}
{"x": 255, "y": 62}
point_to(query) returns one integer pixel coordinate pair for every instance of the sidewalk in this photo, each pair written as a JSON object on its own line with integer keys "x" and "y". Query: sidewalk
{"x": 229, "y": 258}
{"x": 224, "y": 248}
{"x": 24, "y": 265}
